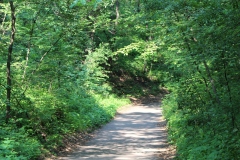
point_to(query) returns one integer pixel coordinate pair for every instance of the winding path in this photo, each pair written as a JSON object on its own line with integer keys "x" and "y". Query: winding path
{"x": 138, "y": 132}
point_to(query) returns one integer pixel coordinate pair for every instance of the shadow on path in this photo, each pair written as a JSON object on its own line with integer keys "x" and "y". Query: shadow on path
{"x": 137, "y": 132}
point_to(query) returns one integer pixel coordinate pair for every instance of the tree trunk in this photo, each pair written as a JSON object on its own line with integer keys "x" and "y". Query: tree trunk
{"x": 117, "y": 12}
{"x": 28, "y": 49}
{"x": 59, "y": 74}
{"x": 9, "y": 59}
{"x": 211, "y": 81}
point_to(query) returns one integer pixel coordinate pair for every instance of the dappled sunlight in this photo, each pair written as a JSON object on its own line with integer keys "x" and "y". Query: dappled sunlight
{"x": 137, "y": 132}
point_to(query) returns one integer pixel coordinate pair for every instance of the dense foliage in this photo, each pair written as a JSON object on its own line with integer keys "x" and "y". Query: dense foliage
{"x": 202, "y": 40}
{"x": 68, "y": 61}
{"x": 58, "y": 77}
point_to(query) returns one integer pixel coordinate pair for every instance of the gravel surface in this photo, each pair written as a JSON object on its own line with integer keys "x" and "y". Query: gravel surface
{"x": 138, "y": 132}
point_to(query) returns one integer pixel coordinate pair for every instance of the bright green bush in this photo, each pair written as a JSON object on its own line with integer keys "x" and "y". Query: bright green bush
{"x": 17, "y": 144}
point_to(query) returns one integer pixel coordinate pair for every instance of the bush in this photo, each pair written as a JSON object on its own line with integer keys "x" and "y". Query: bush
{"x": 18, "y": 145}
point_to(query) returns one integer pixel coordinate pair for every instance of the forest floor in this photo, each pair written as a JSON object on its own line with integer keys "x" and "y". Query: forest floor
{"x": 137, "y": 132}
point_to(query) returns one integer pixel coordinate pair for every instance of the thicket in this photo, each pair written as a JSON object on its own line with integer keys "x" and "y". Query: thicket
{"x": 201, "y": 47}
{"x": 68, "y": 62}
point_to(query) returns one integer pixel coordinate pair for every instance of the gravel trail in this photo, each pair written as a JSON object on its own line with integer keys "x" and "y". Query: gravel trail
{"x": 138, "y": 132}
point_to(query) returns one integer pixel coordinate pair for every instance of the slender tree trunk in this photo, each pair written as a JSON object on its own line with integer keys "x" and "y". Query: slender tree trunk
{"x": 233, "y": 117}
{"x": 2, "y": 21}
{"x": 59, "y": 74}
{"x": 212, "y": 82}
{"x": 9, "y": 59}
{"x": 117, "y": 12}
{"x": 28, "y": 50}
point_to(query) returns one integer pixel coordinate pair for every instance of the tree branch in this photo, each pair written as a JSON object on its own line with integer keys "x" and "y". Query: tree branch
{"x": 41, "y": 59}
{"x": 9, "y": 60}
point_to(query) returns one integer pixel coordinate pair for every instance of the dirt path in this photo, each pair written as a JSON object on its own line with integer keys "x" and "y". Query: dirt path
{"x": 137, "y": 132}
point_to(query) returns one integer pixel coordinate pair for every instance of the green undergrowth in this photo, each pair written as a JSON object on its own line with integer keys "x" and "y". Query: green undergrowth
{"x": 38, "y": 132}
{"x": 197, "y": 138}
